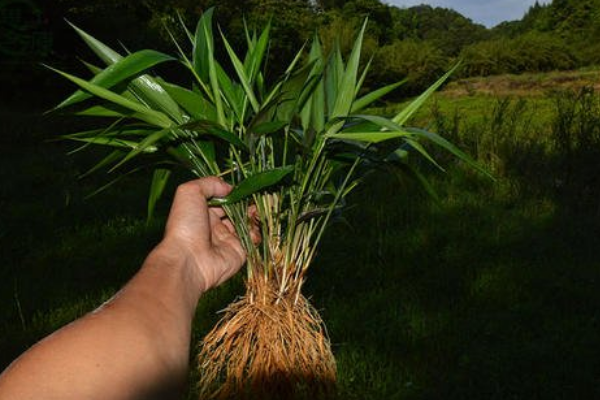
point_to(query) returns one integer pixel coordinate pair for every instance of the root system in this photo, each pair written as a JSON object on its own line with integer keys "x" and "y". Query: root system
{"x": 267, "y": 347}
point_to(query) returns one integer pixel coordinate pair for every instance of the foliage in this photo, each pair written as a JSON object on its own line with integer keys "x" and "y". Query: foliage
{"x": 445, "y": 28}
{"x": 532, "y": 52}
{"x": 416, "y": 61}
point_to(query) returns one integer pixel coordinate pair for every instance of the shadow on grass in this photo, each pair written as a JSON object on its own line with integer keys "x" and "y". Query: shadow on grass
{"x": 491, "y": 295}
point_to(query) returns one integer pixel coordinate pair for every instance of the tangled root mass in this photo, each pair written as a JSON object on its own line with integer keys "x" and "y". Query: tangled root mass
{"x": 267, "y": 347}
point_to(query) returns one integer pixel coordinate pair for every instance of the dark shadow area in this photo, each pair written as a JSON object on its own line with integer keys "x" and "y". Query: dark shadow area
{"x": 490, "y": 294}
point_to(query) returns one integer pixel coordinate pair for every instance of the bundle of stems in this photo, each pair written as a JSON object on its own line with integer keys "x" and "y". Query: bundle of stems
{"x": 294, "y": 147}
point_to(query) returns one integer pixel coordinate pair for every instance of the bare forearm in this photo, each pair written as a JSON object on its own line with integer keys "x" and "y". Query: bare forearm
{"x": 135, "y": 346}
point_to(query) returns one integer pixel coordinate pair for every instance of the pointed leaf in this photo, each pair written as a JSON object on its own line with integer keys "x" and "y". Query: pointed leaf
{"x": 160, "y": 177}
{"x": 203, "y": 45}
{"x": 268, "y": 127}
{"x": 148, "y": 142}
{"x": 195, "y": 105}
{"x": 115, "y": 142}
{"x": 122, "y": 70}
{"x": 109, "y": 159}
{"x": 256, "y": 53}
{"x": 347, "y": 89}
{"x": 105, "y": 53}
{"x": 253, "y": 184}
{"x": 205, "y": 127}
{"x": 445, "y": 144}
{"x": 145, "y": 114}
{"x": 373, "y": 96}
{"x": 405, "y": 114}
{"x": 242, "y": 75}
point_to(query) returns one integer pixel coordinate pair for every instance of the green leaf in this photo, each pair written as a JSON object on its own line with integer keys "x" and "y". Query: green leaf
{"x": 373, "y": 96}
{"x": 153, "y": 94}
{"x": 418, "y": 147}
{"x": 363, "y": 77}
{"x": 214, "y": 77}
{"x": 253, "y": 184}
{"x": 268, "y": 127}
{"x": 193, "y": 103}
{"x": 347, "y": 90}
{"x": 314, "y": 118}
{"x": 143, "y": 113}
{"x": 203, "y": 45}
{"x": 122, "y": 70}
{"x": 242, "y": 75}
{"x": 144, "y": 86}
{"x": 115, "y": 142}
{"x": 405, "y": 114}
{"x": 109, "y": 159}
{"x": 101, "y": 111}
{"x": 206, "y": 127}
{"x": 232, "y": 92}
{"x": 160, "y": 177}
{"x": 205, "y": 64}
{"x": 147, "y": 142}
{"x": 256, "y": 56}
{"x": 369, "y": 137}
{"x": 386, "y": 130}
{"x": 445, "y": 144}
{"x": 105, "y": 53}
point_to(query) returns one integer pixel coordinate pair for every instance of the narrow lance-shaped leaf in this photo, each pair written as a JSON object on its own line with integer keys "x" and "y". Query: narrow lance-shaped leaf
{"x": 115, "y": 142}
{"x": 144, "y": 86}
{"x": 193, "y": 103}
{"x": 160, "y": 177}
{"x": 101, "y": 111}
{"x": 373, "y": 96}
{"x": 242, "y": 75}
{"x": 203, "y": 44}
{"x": 347, "y": 89}
{"x": 445, "y": 144}
{"x": 105, "y": 53}
{"x": 205, "y": 127}
{"x": 120, "y": 71}
{"x": 143, "y": 113}
{"x": 363, "y": 77}
{"x": 212, "y": 67}
{"x": 253, "y": 184}
{"x": 316, "y": 121}
{"x": 268, "y": 127}
{"x": 385, "y": 130}
{"x": 111, "y": 158}
{"x": 405, "y": 114}
{"x": 148, "y": 142}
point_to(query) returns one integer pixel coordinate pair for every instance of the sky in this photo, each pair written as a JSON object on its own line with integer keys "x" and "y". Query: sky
{"x": 486, "y": 12}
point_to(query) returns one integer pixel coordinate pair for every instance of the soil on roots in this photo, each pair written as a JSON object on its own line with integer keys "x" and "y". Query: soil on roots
{"x": 267, "y": 347}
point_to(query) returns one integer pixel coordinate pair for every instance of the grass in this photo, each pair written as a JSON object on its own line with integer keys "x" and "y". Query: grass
{"x": 492, "y": 293}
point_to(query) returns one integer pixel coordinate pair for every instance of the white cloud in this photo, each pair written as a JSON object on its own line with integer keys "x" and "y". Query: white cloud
{"x": 486, "y": 12}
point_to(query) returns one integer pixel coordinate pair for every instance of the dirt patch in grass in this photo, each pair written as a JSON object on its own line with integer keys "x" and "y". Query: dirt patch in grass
{"x": 524, "y": 84}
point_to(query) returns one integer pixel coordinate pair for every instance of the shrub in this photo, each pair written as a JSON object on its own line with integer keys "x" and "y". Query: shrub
{"x": 420, "y": 62}
{"x": 532, "y": 52}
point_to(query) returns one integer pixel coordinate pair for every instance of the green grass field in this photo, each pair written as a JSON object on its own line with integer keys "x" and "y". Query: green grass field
{"x": 492, "y": 293}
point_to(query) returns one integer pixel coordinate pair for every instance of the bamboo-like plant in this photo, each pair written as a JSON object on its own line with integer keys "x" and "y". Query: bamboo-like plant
{"x": 293, "y": 147}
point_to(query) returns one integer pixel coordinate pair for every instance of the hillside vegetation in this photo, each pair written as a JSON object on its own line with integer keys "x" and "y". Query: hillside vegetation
{"x": 418, "y": 43}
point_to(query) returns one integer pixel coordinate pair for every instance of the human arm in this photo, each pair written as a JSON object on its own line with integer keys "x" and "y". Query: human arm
{"x": 136, "y": 346}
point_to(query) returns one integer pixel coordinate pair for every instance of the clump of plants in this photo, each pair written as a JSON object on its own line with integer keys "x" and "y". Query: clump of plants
{"x": 293, "y": 146}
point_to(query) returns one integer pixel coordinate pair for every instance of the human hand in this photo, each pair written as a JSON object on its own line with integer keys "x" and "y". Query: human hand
{"x": 203, "y": 234}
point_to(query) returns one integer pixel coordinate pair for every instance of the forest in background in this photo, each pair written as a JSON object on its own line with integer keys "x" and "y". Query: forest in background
{"x": 418, "y": 43}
